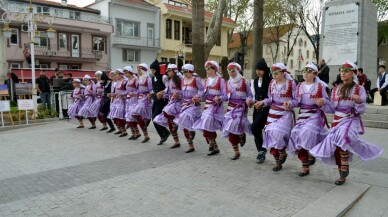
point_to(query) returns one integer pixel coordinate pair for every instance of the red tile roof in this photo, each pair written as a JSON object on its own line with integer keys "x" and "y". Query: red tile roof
{"x": 58, "y": 5}
{"x": 188, "y": 11}
{"x": 270, "y": 35}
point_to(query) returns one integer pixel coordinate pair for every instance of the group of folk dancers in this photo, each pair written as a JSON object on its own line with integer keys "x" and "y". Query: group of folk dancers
{"x": 131, "y": 98}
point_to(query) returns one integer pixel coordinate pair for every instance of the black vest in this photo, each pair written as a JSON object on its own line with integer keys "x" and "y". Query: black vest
{"x": 158, "y": 85}
{"x": 260, "y": 92}
{"x": 382, "y": 80}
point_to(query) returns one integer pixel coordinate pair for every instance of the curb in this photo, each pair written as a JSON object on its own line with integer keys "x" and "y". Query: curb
{"x": 31, "y": 124}
{"x": 335, "y": 202}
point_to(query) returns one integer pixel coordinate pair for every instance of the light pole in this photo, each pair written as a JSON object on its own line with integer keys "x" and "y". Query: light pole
{"x": 34, "y": 35}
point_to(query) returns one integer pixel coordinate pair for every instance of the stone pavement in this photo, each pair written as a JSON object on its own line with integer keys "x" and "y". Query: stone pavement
{"x": 57, "y": 170}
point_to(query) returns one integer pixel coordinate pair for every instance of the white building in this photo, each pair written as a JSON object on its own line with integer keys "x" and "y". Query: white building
{"x": 136, "y": 36}
{"x": 275, "y": 38}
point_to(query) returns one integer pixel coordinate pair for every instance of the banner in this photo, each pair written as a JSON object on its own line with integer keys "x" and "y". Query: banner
{"x": 4, "y": 90}
{"x": 23, "y": 88}
{"x": 5, "y": 106}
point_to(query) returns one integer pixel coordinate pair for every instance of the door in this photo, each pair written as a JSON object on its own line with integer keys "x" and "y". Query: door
{"x": 150, "y": 35}
{"x": 74, "y": 45}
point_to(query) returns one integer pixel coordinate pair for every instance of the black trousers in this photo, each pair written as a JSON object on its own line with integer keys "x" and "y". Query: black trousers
{"x": 105, "y": 109}
{"x": 383, "y": 93}
{"x": 157, "y": 108}
{"x": 258, "y": 124}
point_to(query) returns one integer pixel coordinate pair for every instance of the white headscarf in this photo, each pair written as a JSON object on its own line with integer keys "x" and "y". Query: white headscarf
{"x": 145, "y": 69}
{"x": 237, "y": 68}
{"x": 283, "y": 69}
{"x": 315, "y": 68}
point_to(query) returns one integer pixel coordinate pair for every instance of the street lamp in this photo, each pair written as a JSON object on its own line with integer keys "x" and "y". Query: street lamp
{"x": 34, "y": 36}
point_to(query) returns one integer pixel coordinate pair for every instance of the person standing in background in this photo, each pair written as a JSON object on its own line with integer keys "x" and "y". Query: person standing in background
{"x": 43, "y": 87}
{"x": 323, "y": 72}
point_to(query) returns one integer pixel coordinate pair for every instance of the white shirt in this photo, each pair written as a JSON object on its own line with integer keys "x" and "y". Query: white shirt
{"x": 308, "y": 86}
{"x": 385, "y": 82}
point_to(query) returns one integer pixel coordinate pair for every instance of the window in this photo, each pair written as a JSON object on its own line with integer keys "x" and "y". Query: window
{"x": 299, "y": 64}
{"x": 58, "y": 12}
{"x": 305, "y": 43}
{"x": 14, "y": 40}
{"x": 291, "y": 64}
{"x": 62, "y": 40}
{"x": 75, "y": 67}
{"x": 292, "y": 52}
{"x": 14, "y": 65}
{"x": 42, "y": 66}
{"x": 268, "y": 50}
{"x": 43, "y": 10}
{"x": 308, "y": 54}
{"x": 168, "y": 29}
{"x": 76, "y": 15}
{"x": 128, "y": 28}
{"x": 313, "y": 55}
{"x": 172, "y": 60}
{"x": 131, "y": 55}
{"x": 62, "y": 67}
{"x": 98, "y": 44}
{"x": 42, "y": 39}
{"x": 163, "y": 60}
{"x": 177, "y": 30}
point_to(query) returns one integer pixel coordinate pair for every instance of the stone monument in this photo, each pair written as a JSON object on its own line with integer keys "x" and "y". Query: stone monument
{"x": 349, "y": 32}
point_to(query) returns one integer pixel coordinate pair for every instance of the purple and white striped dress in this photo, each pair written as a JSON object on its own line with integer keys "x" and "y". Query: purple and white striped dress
{"x": 131, "y": 100}
{"x": 346, "y": 128}
{"x": 144, "y": 105}
{"x": 89, "y": 94}
{"x": 212, "y": 117}
{"x": 190, "y": 111}
{"x": 94, "y": 109}
{"x": 280, "y": 121}
{"x": 236, "y": 119}
{"x": 78, "y": 102}
{"x": 310, "y": 126}
{"x": 118, "y": 104}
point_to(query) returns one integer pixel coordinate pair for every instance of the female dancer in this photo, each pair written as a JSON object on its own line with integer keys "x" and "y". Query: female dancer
{"x": 343, "y": 141}
{"x": 131, "y": 101}
{"x": 281, "y": 98}
{"x": 78, "y": 101}
{"x": 310, "y": 129}
{"x": 236, "y": 122}
{"x": 190, "y": 112}
{"x": 142, "y": 111}
{"x": 173, "y": 93}
{"x": 117, "y": 111}
{"x": 89, "y": 94}
{"x": 213, "y": 115}
{"x": 94, "y": 108}
{"x": 260, "y": 88}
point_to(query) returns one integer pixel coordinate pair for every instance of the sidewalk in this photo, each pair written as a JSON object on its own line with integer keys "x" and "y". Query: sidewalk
{"x": 55, "y": 169}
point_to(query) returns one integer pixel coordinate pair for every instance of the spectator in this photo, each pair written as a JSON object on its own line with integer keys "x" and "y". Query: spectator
{"x": 43, "y": 87}
{"x": 361, "y": 77}
{"x": 323, "y": 72}
{"x": 382, "y": 85}
{"x": 338, "y": 79}
{"x": 69, "y": 77}
{"x": 54, "y": 76}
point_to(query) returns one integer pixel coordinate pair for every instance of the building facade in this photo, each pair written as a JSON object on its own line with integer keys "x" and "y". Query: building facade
{"x": 80, "y": 43}
{"x": 136, "y": 36}
{"x": 275, "y": 49}
{"x": 176, "y": 32}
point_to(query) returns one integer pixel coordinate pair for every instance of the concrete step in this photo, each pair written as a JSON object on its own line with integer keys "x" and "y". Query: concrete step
{"x": 335, "y": 202}
{"x": 375, "y": 117}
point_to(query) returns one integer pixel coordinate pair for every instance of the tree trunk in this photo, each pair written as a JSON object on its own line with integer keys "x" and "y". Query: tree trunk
{"x": 258, "y": 28}
{"x": 214, "y": 29}
{"x": 198, "y": 26}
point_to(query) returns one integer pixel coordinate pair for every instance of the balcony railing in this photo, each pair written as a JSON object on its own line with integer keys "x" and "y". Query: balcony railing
{"x": 136, "y": 41}
{"x": 60, "y": 13}
{"x": 84, "y": 52}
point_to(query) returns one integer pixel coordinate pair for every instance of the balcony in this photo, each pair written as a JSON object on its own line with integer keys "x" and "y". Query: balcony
{"x": 136, "y": 41}
{"x": 82, "y": 55}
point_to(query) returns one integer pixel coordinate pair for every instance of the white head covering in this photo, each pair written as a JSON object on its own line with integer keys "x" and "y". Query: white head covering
{"x": 215, "y": 64}
{"x": 283, "y": 69}
{"x": 188, "y": 67}
{"x": 354, "y": 68}
{"x": 77, "y": 80}
{"x": 87, "y": 77}
{"x": 98, "y": 73}
{"x": 129, "y": 68}
{"x": 235, "y": 66}
{"x": 315, "y": 68}
{"x": 119, "y": 71}
{"x": 144, "y": 68}
{"x": 173, "y": 67}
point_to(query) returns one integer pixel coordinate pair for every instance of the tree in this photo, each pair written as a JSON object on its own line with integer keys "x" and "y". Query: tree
{"x": 214, "y": 29}
{"x": 310, "y": 20}
{"x": 382, "y": 9}
{"x": 258, "y": 29}
{"x": 198, "y": 25}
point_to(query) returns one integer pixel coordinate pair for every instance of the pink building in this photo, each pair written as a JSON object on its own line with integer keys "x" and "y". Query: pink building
{"x": 81, "y": 40}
